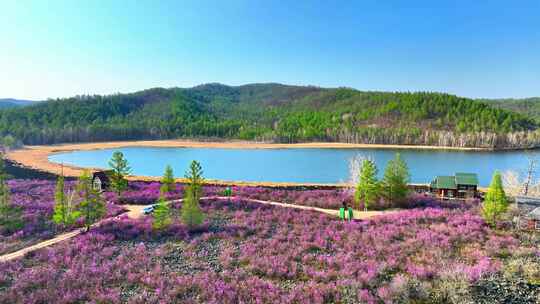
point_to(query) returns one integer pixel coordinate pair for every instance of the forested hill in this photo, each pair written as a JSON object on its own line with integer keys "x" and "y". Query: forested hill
{"x": 526, "y": 106}
{"x": 272, "y": 112}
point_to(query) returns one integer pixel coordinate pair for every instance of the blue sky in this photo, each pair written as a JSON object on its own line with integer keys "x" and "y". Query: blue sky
{"x": 469, "y": 48}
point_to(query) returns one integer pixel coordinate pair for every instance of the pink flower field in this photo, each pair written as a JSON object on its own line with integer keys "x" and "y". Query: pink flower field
{"x": 36, "y": 198}
{"x": 148, "y": 193}
{"x": 250, "y": 253}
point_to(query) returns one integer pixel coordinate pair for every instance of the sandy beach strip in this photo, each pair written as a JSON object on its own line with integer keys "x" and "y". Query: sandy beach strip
{"x": 37, "y": 157}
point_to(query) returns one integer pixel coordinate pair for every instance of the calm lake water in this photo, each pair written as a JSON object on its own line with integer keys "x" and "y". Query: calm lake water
{"x": 298, "y": 165}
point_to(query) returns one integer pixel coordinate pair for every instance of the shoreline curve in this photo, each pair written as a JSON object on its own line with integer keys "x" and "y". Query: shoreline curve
{"x": 37, "y": 157}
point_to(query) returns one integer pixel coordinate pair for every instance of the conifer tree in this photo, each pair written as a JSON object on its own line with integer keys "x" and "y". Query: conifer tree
{"x": 495, "y": 202}
{"x": 162, "y": 212}
{"x": 120, "y": 168}
{"x": 367, "y": 189}
{"x": 10, "y": 215}
{"x": 64, "y": 213}
{"x": 191, "y": 211}
{"x": 92, "y": 207}
{"x": 168, "y": 180}
{"x": 395, "y": 180}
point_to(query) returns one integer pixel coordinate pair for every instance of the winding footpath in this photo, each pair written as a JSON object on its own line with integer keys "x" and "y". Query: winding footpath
{"x": 136, "y": 211}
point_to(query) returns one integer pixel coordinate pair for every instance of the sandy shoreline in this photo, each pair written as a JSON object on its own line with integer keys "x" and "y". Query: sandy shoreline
{"x": 37, "y": 157}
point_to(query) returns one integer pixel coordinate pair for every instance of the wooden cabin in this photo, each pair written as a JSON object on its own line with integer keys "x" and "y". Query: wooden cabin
{"x": 532, "y": 220}
{"x": 100, "y": 180}
{"x": 419, "y": 188}
{"x": 460, "y": 186}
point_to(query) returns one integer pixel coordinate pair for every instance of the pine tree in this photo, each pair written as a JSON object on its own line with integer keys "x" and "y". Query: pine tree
{"x": 168, "y": 179}
{"x": 64, "y": 213}
{"x": 191, "y": 211}
{"x": 367, "y": 189}
{"x": 92, "y": 207}
{"x": 120, "y": 168}
{"x": 60, "y": 208}
{"x": 162, "y": 212}
{"x": 495, "y": 202}
{"x": 10, "y": 215}
{"x": 395, "y": 180}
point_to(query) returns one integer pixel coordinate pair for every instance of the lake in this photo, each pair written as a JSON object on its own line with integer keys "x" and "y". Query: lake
{"x": 300, "y": 165}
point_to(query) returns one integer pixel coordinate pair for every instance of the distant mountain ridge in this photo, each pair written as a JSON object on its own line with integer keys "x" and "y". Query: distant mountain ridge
{"x": 273, "y": 112}
{"x": 13, "y": 103}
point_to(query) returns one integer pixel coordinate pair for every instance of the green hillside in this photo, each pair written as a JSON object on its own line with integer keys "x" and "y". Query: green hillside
{"x": 526, "y": 106}
{"x": 274, "y": 113}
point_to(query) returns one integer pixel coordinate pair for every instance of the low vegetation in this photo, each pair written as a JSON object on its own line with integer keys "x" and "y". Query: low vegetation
{"x": 234, "y": 250}
{"x": 247, "y": 252}
{"x": 36, "y": 201}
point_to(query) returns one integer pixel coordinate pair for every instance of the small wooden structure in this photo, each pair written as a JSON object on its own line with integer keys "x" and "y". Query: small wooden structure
{"x": 533, "y": 220}
{"x": 419, "y": 188}
{"x": 461, "y": 186}
{"x": 100, "y": 180}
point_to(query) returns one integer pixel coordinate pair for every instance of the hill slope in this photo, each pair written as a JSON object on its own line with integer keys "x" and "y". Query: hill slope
{"x": 527, "y": 106}
{"x": 272, "y": 112}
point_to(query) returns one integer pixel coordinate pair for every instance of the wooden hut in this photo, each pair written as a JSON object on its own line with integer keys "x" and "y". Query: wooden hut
{"x": 419, "y": 188}
{"x": 533, "y": 220}
{"x": 461, "y": 185}
{"x": 100, "y": 180}
{"x": 467, "y": 184}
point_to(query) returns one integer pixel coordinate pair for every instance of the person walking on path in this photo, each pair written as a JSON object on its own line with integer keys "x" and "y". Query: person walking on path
{"x": 346, "y": 212}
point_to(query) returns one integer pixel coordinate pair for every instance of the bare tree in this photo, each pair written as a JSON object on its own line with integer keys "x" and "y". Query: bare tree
{"x": 512, "y": 182}
{"x": 523, "y": 182}
{"x": 355, "y": 165}
{"x": 532, "y": 161}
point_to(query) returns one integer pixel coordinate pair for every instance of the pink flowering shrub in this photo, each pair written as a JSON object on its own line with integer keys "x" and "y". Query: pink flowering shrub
{"x": 143, "y": 193}
{"x": 148, "y": 193}
{"x": 330, "y": 199}
{"x": 36, "y": 198}
{"x": 252, "y": 253}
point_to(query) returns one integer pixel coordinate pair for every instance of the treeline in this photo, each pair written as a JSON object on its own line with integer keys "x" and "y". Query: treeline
{"x": 526, "y": 106}
{"x": 273, "y": 113}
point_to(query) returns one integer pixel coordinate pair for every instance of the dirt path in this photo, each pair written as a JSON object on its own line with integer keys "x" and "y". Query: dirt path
{"x": 357, "y": 214}
{"x": 47, "y": 243}
{"x": 135, "y": 212}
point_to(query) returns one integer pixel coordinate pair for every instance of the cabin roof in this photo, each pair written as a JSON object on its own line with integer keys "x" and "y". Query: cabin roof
{"x": 445, "y": 182}
{"x": 466, "y": 179}
{"x": 534, "y": 215}
{"x": 101, "y": 174}
{"x": 451, "y": 182}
